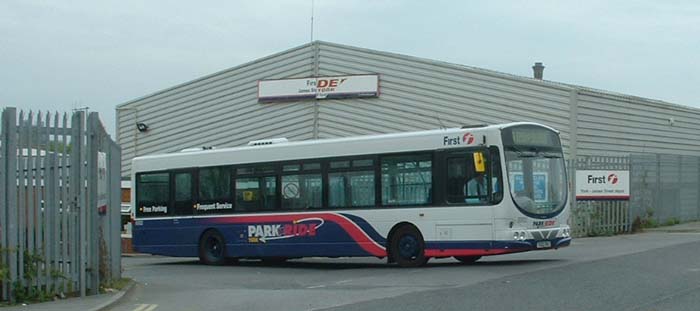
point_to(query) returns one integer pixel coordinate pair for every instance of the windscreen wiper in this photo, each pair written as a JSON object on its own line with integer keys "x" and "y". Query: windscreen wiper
{"x": 522, "y": 153}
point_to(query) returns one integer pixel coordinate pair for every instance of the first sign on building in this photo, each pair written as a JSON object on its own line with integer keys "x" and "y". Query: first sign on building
{"x": 350, "y": 86}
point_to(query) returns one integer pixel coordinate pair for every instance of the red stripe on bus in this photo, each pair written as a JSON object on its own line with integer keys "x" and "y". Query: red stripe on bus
{"x": 469, "y": 252}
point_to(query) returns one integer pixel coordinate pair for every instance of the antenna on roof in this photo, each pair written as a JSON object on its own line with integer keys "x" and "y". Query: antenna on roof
{"x": 442, "y": 126}
{"x": 312, "y": 20}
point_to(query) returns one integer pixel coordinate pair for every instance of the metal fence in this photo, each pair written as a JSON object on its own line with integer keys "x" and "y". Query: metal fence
{"x": 59, "y": 204}
{"x": 664, "y": 189}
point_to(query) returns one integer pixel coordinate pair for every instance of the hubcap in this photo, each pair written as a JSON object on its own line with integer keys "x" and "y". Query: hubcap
{"x": 408, "y": 247}
{"x": 214, "y": 247}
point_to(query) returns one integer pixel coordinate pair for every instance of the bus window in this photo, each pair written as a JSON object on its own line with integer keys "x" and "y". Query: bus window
{"x": 256, "y": 193}
{"x": 351, "y": 189}
{"x": 214, "y": 191}
{"x": 153, "y": 194}
{"x": 474, "y": 177}
{"x": 301, "y": 191}
{"x": 467, "y": 180}
{"x": 184, "y": 200}
{"x": 407, "y": 180}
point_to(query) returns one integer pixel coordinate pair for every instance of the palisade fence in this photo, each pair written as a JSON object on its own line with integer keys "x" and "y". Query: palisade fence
{"x": 664, "y": 190}
{"x": 59, "y": 205}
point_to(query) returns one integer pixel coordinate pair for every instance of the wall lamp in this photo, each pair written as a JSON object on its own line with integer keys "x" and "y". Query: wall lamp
{"x": 142, "y": 127}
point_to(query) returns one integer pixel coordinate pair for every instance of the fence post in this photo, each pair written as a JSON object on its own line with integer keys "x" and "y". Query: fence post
{"x": 3, "y": 208}
{"x": 628, "y": 214}
{"x": 657, "y": 193}
{"x": 66, "y": 208}
{"x": 92, "y": 227}
{"x": 9, "y": 141}
{"x": 114, "y": 172}
{"x": 76, "y": 188}
{"x": 4, "y": 221}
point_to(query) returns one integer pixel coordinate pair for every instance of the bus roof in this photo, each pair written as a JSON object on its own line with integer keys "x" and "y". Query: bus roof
{"x": 318, "y": 148}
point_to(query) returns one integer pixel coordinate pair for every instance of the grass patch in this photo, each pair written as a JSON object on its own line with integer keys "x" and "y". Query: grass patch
{"x": 115, "y": 285}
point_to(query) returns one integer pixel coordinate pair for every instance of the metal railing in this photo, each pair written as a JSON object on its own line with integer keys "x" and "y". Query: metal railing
{"x": 59, "y": 204}
{"x": 664, "y": 189}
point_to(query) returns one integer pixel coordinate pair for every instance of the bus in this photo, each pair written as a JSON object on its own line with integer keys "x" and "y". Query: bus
{"x": 461, "y": 192}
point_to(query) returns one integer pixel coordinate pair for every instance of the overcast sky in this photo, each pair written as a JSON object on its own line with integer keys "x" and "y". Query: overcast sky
{"x": 60, "y": 55}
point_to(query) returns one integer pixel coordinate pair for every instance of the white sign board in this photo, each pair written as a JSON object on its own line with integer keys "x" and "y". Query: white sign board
{"x": 102, "y": 188}
{"x": 318, "y": 88}
{"x": 602, "y": 185}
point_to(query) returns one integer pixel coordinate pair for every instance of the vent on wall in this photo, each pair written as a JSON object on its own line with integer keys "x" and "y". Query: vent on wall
{"x": 270, "y": 141}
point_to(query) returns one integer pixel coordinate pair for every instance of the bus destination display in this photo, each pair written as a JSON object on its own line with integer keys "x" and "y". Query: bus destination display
{"x": 533, "y": 137}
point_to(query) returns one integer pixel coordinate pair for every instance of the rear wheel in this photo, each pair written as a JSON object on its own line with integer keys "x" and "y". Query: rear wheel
{"x": 468, "y": 259}
{"x": 407, "y": 247}
{"x": 212, "y": 248}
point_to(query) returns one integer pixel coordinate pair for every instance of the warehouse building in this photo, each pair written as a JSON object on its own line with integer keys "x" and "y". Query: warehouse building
{"x": 322, "y": 90}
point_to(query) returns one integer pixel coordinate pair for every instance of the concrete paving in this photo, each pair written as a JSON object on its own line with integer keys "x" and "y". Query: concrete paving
{"x": 89, "y": 303}
{"x": 109, "y": 300}
{"x": 688, "y": 227}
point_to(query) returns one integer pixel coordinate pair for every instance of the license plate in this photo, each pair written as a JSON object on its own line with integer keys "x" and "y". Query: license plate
{"x": 544, "y": 244}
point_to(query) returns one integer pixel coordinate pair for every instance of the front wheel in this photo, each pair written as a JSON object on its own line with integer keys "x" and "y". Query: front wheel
{"x": 212, "y": 248}
{"x": 468, "y": 259}
{"x": 407, "y": 247}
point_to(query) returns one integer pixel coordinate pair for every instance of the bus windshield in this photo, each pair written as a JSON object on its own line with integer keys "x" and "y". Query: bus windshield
{"x": 536, "y": 170}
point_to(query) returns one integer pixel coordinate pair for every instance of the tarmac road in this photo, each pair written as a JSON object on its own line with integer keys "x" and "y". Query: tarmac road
{"x": 651, "y": 271}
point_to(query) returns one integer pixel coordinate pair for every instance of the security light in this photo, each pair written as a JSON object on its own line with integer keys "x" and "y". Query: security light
{"x": 142, "y": 127}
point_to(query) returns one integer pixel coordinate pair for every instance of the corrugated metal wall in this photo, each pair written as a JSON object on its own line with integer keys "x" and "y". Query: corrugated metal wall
{"x": 218, "y": 110}
{"x": 610, "y": 124}
{"x": 420, "y": 94}
{"x": 415, "y": 93}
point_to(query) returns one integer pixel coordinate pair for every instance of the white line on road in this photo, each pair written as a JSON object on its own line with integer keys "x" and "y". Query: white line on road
{"x": 146, "y": 307}
{"x": 316, "y": 286}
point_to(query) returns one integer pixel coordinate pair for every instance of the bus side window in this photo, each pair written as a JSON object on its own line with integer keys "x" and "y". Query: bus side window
{"x": 496, "y": 176}
{"x": 301, "y": 191}
{"x": 407, "y": 179}
{"x": 183, "y": 203}
{"x": 351, "y": 183}
{"x": 256, "y": 193}
{"x": 153, "y": 195}
{"x": 214, "y": 190}
{"x": 468, "y": 178}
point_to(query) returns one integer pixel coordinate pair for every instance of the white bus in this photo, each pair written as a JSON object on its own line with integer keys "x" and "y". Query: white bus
{"x": 463, "y": 192}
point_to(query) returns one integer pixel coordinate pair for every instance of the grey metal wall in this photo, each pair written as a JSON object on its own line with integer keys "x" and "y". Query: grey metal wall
{"x": 415, "y": 93}
{"x": 612, "y": 124}
{"x": 665, "y": 188}
{"x": 420, "y": 94}
{"x": 217, "y": 110}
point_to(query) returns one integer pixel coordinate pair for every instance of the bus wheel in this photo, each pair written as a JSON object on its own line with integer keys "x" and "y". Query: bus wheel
{"x": 407, "y": 247}
{"x": 212, "y": 248}
{"x": 468, "y": 259}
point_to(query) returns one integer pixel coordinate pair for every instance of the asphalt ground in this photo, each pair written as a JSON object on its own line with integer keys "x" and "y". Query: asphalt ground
{"x": 650, "y": 271}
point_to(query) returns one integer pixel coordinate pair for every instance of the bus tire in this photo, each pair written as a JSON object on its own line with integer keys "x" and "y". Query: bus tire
{"x": 407, "y": 247}
{"x": 212, "y": 248}
{"x": 467, "y": 259}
